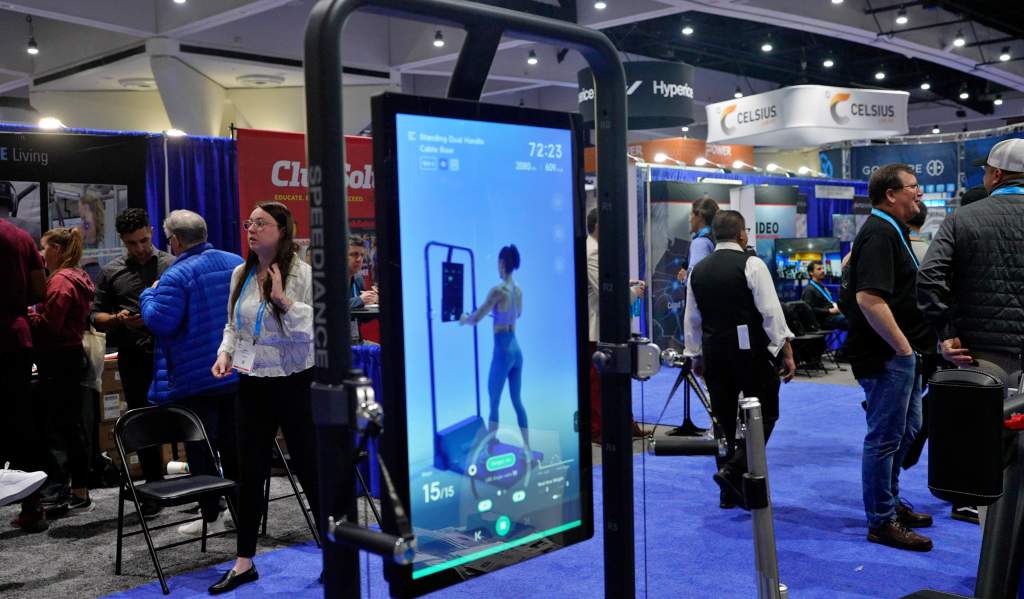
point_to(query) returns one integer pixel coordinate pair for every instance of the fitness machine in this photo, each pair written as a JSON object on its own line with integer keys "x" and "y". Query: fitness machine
{"x": 697, "y": 442}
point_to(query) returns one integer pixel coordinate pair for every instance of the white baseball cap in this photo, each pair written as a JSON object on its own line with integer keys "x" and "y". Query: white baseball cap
{"x": 1007, "y": 155}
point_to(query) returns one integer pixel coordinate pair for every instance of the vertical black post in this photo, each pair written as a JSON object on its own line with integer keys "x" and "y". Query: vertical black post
{"x": 328, "y": 233}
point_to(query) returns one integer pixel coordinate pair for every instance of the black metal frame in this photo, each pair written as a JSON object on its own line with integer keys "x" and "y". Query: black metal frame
{"x": 333, "y": 409}
{"x": 296, "y": 493}
{"x": 145, "y": 529}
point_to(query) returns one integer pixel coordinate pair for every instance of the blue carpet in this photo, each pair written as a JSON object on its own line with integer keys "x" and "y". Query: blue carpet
{"x": 693, "y": 549}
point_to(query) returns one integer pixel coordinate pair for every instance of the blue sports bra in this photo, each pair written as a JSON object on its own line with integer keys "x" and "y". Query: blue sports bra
{"x": 508, "y": 316}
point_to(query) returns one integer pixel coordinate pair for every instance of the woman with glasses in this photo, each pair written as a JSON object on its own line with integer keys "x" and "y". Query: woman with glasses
{"x": 268, "y": 339}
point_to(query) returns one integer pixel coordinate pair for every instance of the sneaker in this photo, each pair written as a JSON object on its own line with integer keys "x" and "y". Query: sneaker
{"x": 895, "y": 534}
{"x": 79, "y": 505}
{"x": 150, "y": 510}
{"x": 16, "y": 485}
{"x": 966, "y": 513}
{"x": 908, "y": 517}
{"x": 194, "y": 529}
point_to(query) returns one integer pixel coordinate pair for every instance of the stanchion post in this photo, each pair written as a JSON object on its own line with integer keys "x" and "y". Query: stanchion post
{"x": 759, "y": 498}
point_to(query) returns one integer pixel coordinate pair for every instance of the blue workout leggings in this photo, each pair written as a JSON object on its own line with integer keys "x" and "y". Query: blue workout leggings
{"x": 507, "y": 362}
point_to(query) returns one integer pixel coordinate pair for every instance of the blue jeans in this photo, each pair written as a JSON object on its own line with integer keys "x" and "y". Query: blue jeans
{"x": 894, "y": 419}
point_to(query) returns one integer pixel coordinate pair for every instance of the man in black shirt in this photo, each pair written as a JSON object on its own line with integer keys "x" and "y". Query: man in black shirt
{"x": 887, "y": 332}
{"x": 115, "y": 309}
{"x": 819, "y": 298}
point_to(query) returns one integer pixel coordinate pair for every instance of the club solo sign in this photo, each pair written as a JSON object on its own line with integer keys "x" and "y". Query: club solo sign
{"x": 806, "y": 115}
{"x": 659, "y": 94}
{"x": 272, "y": 167}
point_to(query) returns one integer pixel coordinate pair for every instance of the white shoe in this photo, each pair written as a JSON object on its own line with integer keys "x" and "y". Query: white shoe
{"x": 194, "y": 529}
{"x": 16, "y": 485}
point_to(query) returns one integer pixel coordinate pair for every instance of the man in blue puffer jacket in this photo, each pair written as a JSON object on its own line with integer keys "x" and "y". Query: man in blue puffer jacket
{"x": 186, "y": 310}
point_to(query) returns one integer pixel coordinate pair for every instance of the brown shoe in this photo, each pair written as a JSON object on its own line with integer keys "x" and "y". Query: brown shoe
{"x": 908, "y": 517}
{"x": 895, "y": 534}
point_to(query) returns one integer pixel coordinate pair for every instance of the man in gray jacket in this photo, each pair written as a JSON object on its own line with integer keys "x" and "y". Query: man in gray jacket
{"x": 971, "y": 284}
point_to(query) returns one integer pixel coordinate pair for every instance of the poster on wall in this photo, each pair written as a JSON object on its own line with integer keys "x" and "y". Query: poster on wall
{"x": 19, "y": 205}
{"x": 775, "y": 208}
{"x": 936, "y": 166}
{"x": 91, "y": 208}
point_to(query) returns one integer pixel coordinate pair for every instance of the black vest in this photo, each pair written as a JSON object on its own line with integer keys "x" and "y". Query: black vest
{"x": 719, "y": 285}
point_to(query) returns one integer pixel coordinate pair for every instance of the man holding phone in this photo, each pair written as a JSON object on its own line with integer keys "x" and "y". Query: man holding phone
{"x": 115, "y": 309}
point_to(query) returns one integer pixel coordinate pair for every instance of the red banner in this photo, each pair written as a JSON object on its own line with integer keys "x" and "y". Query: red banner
{"x": 272, "y": 167}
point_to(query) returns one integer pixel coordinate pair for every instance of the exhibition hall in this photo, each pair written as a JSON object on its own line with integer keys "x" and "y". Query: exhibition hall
{"x": 512, "y": 298}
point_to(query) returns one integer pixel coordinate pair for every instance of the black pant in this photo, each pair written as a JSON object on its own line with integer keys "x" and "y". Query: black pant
{"x": 22, "y": 439}
{"x": 136, "y": 369}
{"x": 264, "y": 405}
{"x": 218, "y": 415}
{"x": 755, "y": 375}
{"x": 60, "y": 376}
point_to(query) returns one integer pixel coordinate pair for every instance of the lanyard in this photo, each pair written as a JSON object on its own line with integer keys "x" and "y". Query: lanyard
{"x": 355, "y": 288}
{"x": 823, "y": 291}
{"x": 1006, "y": 191}
{"x": 899, "y": 231}
{"x": 259, "y": 313}
{"x": 703, "y": 232}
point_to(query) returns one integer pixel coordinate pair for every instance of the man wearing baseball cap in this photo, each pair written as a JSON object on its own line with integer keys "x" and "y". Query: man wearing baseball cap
{"x": 969, "y": 284}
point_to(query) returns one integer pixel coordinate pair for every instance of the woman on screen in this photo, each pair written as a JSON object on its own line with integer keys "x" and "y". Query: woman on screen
{"x": 505, "y": 303}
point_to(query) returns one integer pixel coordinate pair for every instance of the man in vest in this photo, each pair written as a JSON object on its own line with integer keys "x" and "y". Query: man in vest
{"x": 736, "y": 332}
{"x": 819, "y": 298}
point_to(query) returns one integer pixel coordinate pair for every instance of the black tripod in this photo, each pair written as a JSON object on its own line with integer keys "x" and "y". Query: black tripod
{"x": 689, "y": 382}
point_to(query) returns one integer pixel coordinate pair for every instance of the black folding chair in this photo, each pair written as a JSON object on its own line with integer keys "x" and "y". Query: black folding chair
{"x": 296, "y": 493}
{"x": 153, "y": 426}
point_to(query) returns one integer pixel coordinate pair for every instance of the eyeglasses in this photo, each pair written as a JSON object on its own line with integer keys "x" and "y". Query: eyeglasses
{"x": 914, "y": 187}
{"x": 259, "y": 223}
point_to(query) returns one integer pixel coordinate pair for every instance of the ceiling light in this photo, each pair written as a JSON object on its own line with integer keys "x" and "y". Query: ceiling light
{"x": 901, "y": 17}
{"x": 828, "y": 63}
{"x": 880, "y": 75}
{"x": 766, "y": 47}
{"x": 599, "y": 5}
{"x": 998, "y": 101}
{"x": 180, "y": 1}
{"x": 685, "y": 129}
{"x": 964, "y": 94}
{"x": 260, "y": 80}
{"x": 439, "y": 39}
{"x": 936, "y": 130}
{"x": 738, "y": 93}
{"x": 1005, "y": 54}
{"x": 688, "y": 30}
{"x": 49, "y": 122}
{"x": 837, "y": 1}
{"x": 959, "y": 41}
{"x": 926, "y": 86}
{"x": 531, "y": 58}
{"x": 175, "y": 132}
{"x": 33, "y": 47}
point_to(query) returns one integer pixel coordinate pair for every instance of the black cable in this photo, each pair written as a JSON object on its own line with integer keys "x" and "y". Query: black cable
{"x": 643, "y": 479}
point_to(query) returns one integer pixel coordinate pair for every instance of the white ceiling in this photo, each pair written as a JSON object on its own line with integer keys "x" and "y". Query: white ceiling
{"x": 74, "y": 32}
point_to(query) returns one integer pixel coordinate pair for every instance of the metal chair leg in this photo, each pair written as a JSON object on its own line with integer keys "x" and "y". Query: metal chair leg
{"x": 266, "y": 505}
{"x": 202, "y": 543}
{"x": 149, "y": 544}
{"x": 298, "y": 496}
{"x": 120, "y": 528}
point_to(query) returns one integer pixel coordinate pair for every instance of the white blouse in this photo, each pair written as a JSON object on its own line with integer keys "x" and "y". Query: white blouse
{"x": 283, "y": 348}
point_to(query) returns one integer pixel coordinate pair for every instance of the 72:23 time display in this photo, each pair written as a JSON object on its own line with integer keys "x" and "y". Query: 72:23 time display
{"x": 543, "y": 150}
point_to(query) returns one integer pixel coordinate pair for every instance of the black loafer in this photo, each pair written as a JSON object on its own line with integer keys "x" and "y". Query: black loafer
{"x": 731, "y": 487}
{"x": 232, "y": 580}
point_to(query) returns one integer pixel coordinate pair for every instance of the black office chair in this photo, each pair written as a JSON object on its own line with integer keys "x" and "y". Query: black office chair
{"x": 809, "y": 343}
{"x": 153, "y": 426}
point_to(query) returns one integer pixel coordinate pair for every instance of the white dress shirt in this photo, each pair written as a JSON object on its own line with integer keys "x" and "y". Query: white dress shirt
{"x": 594, "y": 291}
{"x": 760, "y": 283}
{"x": 283, "y": 348}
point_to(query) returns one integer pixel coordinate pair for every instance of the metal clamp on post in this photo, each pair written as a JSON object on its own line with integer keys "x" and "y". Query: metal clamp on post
{"x": 638, "y": 357}
{"x": 369, "y": 423}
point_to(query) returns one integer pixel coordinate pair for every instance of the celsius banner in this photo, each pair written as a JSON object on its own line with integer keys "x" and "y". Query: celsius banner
{"x": 660, "y": 94}
{"x": 272, "y": 166}
{"x": 935, "y": 165}
{"x": 808, "y": 115}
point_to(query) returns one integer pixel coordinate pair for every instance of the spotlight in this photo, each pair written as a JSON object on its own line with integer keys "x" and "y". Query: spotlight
{"x": 33, "y": 47}
{"x": 688, "y": 30}
{"x": 180, "y": 1}
{"x": 49, "y": 122}
{"x": 880, "y": 75}
{"x": 701, "y": 161}
{"x": 661, "y": 157}
{"x": 766, "y": 47}
{"x": 803, "y": 170}
{"x": 175, "y": 132}
{"x": 901, "y": 17}
{"x": 926, "y": 86}
{"x": 837, "y": 1}
{"x": 599, "y": 5}
{"x": 771, "y": 167}
{"x": 964, "y": 94}
{"x": 959, "y": 41}
{"x": 1005, "y": 54}
{"x": 685, "y": 129}
{"x": 828, "y": 63}
{"x": 936, "y": 130}
{"x": 531, "y": 58}
{"x": 438, "y": 39}
{"x": 738, "y": 93}
{"x": 998, "y": 101}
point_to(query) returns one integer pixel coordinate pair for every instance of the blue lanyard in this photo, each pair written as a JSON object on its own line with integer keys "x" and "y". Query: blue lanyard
{"x": 259, "y": 313}
{"x": 703, "y": 232}
{"x": 823, "y": 291}
{"x": 899, "y": 231}
{"x": 1008, "y": 191}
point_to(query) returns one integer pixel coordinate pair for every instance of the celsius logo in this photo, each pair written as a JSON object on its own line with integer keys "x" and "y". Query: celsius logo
{"x": 834, "y": 106}
{"x": 746, "y": 117}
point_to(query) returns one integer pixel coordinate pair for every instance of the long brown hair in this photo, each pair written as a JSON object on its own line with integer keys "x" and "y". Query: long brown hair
{"x": 69, "y": 240}
{"x": 286, "y": 249}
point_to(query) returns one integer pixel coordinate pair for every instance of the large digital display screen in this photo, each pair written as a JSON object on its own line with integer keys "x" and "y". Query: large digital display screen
{"x": 489, "y": 245}
{"x": 792, "y": 257}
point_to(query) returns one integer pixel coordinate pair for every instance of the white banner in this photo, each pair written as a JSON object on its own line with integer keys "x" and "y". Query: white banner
{"x": 808, "y": 115}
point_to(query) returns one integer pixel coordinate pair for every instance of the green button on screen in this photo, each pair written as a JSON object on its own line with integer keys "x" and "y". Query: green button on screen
{"x": 500, "y": 462}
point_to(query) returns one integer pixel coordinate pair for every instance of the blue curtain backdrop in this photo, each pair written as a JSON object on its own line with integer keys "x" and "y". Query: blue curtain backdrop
{"x": 202, "y": 176}
{"x": 819, "y": 210}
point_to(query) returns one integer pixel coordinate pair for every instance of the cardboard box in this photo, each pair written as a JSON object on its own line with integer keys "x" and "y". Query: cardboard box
{"x": 111, "y": 377}
{"x": 111, "y": 405}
